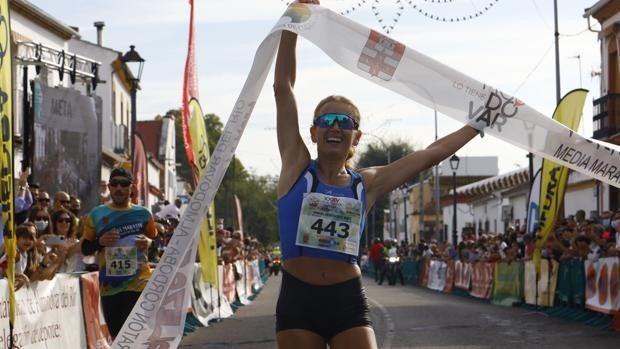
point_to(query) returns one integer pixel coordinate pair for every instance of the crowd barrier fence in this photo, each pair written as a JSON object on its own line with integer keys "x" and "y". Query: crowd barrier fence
{"x": 583, "y": 291}
{"x": 65, "y": 312}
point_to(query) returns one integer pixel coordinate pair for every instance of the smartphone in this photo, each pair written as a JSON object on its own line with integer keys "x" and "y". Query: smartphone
{"x": 55, "y": 240}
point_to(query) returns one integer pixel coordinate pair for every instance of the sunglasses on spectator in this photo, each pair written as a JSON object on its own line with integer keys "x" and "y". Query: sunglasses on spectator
{"x": 64, "y": 220}
{"x": 122, "y": 182}
{"x": 41, "y": 219}
{"x": 65, "y": 201}
{"x": 345, "y": 121}
{"x": 44, "y": 199}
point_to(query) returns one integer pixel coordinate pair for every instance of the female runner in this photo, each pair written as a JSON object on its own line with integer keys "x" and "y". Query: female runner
{"x": 322, "y": 206}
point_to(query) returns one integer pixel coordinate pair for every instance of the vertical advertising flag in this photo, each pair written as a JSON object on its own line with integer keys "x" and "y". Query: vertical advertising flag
{"x": 239, "y": 214}
{"x": 6, "y": 156}
{"x": 554, "y": 176}
{"x": 190, "y": 87}
{"x": 140, "y": 173}
{"x": 197, "y": 150}
{"x": 207, "y": 249}
{"x": 533, "y": 205}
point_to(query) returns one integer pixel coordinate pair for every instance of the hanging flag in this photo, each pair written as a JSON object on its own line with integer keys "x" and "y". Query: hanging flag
{"x": 6, "y": 157}
{"x": 190, "y": 86}
{"x": 140, "y": 173}
{"x": 554, "y": 176}
{"x": 239, "y": 214}
{"x": 207, "y": 245}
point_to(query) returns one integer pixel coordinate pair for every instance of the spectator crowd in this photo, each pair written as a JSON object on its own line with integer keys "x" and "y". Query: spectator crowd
{"x": 49, "y": 233}
{"x": 573, "y": 237}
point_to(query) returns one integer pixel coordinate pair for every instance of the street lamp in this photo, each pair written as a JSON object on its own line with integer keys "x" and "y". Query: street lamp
{"x": 404, "y": 193}
{"x": 454, "y": 165}
{"x": 389, "y": 161}
{"x": 135, "y": 63}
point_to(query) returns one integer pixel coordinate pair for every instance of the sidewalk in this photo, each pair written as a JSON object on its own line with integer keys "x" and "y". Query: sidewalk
{"x": 252, "y": 326}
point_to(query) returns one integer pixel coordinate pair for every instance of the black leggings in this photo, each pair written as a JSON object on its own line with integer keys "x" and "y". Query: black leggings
{"x": 116, "y": 309}
{"x": 324, "y": 310}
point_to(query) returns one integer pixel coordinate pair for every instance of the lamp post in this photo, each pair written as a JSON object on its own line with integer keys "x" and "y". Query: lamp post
{"x": 454, "y": 165}
{"x": 135, "y": 63}
{"x": 389, "y": 161}
{"x": 404, "y": 193}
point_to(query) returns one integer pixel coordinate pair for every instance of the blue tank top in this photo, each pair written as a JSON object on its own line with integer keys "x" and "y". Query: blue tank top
{"x": 289, "y": 209}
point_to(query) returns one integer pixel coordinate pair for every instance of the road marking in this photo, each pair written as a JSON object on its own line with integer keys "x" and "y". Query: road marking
{"x": 389, "y": 324}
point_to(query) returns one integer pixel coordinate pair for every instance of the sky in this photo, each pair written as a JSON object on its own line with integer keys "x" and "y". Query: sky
{"x": 510, "y": 46}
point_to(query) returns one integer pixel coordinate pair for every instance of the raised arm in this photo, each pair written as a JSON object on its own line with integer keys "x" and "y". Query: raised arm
{"x": 383, "y": 179}
{"x": 293, "y": 152}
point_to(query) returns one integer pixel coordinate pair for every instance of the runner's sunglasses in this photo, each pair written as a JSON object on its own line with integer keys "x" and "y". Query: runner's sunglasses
{"x": 328, "y": 120}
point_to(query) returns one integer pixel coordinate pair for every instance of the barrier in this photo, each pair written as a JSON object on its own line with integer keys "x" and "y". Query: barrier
{"x": 507, "y": 283}
{"x": 437, "y": 275}
{"x": 482, "y": 280}
{"x": 66, "y": 312}
{"x": 49, "y": 314}
{"x": 571, "y": 289}
{"x": 97, "y": 334}
{"x": 462, "y": 275}
{"x": 541, "y": 291}
{"x": 410, "y": 270}
{"x": 602, "y": 286}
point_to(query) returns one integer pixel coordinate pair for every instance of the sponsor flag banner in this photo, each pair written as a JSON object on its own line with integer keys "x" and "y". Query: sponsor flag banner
{"x": 6, "y": 158}
{"x": 140, "y": 173}
{"x": 239, "y": 215}
{"x": 533, "y": 206}
{"x": 196, "y": 144}
{"x": 190, "y": 86}
{"x": 553, "y": 175}
{"x": 207, "y": 246}
{"x": 602, "y": 285}
{"x": 391, "y": 65}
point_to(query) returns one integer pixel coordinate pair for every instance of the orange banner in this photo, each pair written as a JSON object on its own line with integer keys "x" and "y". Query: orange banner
{"x": 97, "y": 334}
{"x": 482, "y": 280}
{"x": 449, "y": 277}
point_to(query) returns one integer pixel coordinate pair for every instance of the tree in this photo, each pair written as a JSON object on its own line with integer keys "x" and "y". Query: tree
{"x": 376, "y": 154}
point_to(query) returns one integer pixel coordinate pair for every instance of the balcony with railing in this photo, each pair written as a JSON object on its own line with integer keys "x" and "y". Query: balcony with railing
{"x": 606, "y": 116}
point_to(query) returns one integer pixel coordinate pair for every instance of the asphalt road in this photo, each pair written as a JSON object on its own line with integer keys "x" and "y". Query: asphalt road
{"x": 412, "y": 317}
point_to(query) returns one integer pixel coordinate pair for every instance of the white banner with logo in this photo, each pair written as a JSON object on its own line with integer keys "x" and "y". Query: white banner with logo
{"x": 603, "y": 285}
{"x": 390, "y": 64}
{"x": 49, "y": 314}
{"x": 437, "y": 275}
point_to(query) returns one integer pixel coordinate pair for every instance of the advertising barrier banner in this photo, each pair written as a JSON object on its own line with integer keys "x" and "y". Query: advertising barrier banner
{"x": 97, "y": 334}
{"x": 449, "y": 285}
{"x": 462, "y": 275}
{"x": 49, "y": 314}
{"x": 602, "y": 286}
{"x": 508, "y": 283}
{"x": 543, "y": 291}
{"x": 482, "y": 280}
